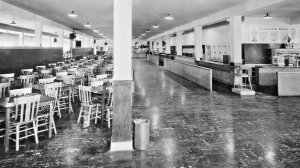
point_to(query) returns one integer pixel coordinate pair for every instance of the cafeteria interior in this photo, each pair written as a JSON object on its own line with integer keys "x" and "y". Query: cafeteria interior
{"x": 126, "y": 83}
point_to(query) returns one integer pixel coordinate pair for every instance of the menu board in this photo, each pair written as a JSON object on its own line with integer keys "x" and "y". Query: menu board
{"x": 259, "y": 34}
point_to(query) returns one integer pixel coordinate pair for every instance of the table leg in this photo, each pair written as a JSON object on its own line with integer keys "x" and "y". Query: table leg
{"x": 7, "y": 129}
{"x": 50, "y": 119}
{"x": 103, "y": 105}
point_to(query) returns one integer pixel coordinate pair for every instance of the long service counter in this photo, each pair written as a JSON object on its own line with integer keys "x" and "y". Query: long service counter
{"x": 266, "y": 76}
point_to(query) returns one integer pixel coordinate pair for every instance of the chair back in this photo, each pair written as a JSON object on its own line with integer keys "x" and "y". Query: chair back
{"x": 46, "y": 72}
{"x": 96, "y": 83}
{"x": 85, "y": 94}
{"x": 26, "y": 108}
{"x": 27, "y": 85}
{"x": 20, "y": 92}
{"x": 61, "y": 73}
{"x": 27, "y": 71}
{"x": 46, "y": 80}
{"x": 8, "y": 77}
{"x": 79, "y": 73}
{"x": 41, "y": 67}
{"x": 54, "y": 86}
{"x": 102, "y": 76}
{"x": 51, "y": 93}
{"x": 69, "y": 79}
{"x": 4, "y": 89}
{"x": 27, "y": 78}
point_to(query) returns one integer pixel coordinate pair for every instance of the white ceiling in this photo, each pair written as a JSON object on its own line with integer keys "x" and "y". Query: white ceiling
{"x": 289, "y": 9}
{"x": 146, "y": 13}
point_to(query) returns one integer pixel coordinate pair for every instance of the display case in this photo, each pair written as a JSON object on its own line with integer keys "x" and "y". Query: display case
{"x": 287, "y": 57}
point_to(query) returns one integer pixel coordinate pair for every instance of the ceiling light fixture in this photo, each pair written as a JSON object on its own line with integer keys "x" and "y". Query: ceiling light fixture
{"x": 169, "y": 17}
{"x": 143, "y": 34}
{"x": 96, "y": 30}
{"x": 87, "y": 24}
{"x": 147, "y": 30}
{"x": 72, "y": 14}
{"x": 267, "y": 16}
{"x": 13, "y": 22}
{"x": 155, "y": 26}
{"x": 101, "y": 34}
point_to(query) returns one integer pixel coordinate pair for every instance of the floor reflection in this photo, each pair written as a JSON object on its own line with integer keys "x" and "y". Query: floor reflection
{"x": 190, "y": 127}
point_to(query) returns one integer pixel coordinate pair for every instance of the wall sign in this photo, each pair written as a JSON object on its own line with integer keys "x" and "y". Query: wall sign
{"x": 259, "y": 34}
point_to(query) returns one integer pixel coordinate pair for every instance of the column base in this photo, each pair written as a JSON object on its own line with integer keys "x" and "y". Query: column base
{"x": 121, "y": 146}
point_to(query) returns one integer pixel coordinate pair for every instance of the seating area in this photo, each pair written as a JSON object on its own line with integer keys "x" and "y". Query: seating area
{"x": 34, "y": 101}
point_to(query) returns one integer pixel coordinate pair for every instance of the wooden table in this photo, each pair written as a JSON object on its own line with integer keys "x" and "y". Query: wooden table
{"x": 101, "y": 91}
{"x": 65, "y": 87}
{"x": 8, "y": 103}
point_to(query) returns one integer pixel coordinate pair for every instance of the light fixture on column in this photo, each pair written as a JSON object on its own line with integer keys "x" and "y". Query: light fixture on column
{"x": 87, "y": 24}
{"x": 155, "y": 26}
{"x": 169, "y": 17}
{"x": 147, "y": 30}
{"x": 72, "y": 14}
{"x": 267, "y": 16}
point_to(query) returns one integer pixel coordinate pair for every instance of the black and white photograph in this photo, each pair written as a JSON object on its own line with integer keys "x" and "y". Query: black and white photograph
{"x": 149, "y": 83}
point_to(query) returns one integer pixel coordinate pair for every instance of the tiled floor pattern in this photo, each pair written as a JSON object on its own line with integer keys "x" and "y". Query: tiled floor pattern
{"x": 190, "y": 127}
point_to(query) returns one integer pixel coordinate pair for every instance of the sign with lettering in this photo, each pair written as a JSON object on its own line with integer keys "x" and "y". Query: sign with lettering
{"x": 260, "y": 34}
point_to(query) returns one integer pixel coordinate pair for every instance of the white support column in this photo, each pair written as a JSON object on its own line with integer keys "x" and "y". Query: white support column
{"x": 95, "y": 46}
{"x": 60, "y": 40}
{"x": 236, "y": 40}
{"x": 160, "y": 48}
{"x": 179, "y": 42}
{"x": 38, "y": 30}
{"x": 122, "y": 39}
{"x": 168, "y": 44}
{"x": 122, "y": 80}
{"x": 198, "y": 43}
{"x": 21, "y": 39}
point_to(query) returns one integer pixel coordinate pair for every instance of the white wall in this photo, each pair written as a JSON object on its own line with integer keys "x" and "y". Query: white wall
{"x": 189, "y": 39}
{"x": 173, "y": 41}
{"x": 218, "y": 39}
{"x": 7, "y": 40}
{"x": 216, "y": 35}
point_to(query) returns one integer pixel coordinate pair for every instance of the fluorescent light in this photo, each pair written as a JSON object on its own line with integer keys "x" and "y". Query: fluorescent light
{"x": 87, "y": 24}
{"x": 155, "y": 26}
{"x": 267, "y": 16}
{"x": 169, "y": 17}
{"x": 72, "y": 14}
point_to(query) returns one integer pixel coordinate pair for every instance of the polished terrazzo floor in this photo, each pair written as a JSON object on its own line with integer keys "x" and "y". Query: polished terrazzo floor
{"x": 190, "y": 127}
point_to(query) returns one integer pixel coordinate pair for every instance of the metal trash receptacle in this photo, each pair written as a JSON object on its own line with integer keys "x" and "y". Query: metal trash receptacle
{"x": 141, "y": 134}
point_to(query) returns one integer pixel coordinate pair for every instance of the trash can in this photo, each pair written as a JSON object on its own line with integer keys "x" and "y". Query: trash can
{"x": 141, "y": 134}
